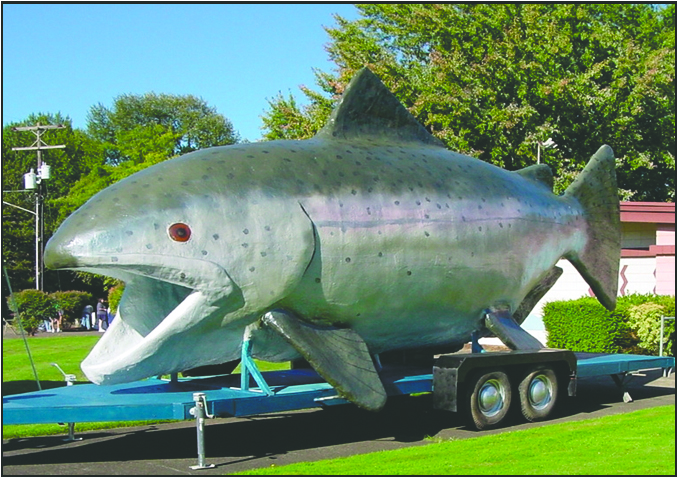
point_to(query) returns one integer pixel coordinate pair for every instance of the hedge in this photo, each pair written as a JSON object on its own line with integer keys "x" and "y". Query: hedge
{"x": 583, "y": 325}
{"x": 35, "y": 306}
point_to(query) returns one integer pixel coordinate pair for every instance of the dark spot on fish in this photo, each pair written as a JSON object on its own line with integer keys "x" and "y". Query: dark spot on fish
{"x": 501, "y": 225}
{"x": 339, "y": 156}
{"x": 348, "y": 259}
{"x": 182, "y": 276}
{"x": 381, "y": 254}
{"x": 418, "y": 203}
{"x": 160, "y": 179}
{"x": 264, "y": 151}
{"x": 317, "y": 280}
{"x": 215, "y": 236}
{"x": 288, "y": 160}
{"x": 426, "y": 216}
{"x": 263, "y": 254}
{"x": 149, "y": 246}
{"x": 409, "y": 273}
{"x": 156, "y": 226}
{"x": 118, "y": 249}
{"x": 397, "y": 203}
{"x": 480, "y": 228}
{"x": 358, "y": 163}
{"x": 250, "y": 156}
{"x": 426, "y": 234}
{"x": 354, "y": 192}
{"x": 252, "y": 269}
{"x": 204, "y": 253}
{"x": 129, "y": 233}
{"x": 267, "y": 228}
{"x": 230, "y": 175}
{"x": 245, "y": 245}
{"x": 114, "y": 259}
{"x": 246, "y": 231}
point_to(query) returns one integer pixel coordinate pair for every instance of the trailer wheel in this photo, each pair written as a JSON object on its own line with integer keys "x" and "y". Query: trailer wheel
{"x": 489, "y": 399}
{"x": 538, "y": 392}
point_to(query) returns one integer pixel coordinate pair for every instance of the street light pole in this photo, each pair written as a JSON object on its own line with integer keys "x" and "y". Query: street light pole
{"x": 33, "y": 181}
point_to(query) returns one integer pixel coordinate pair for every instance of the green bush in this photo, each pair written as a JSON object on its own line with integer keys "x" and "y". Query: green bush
{"x": 583, "y": 325}
{"x": 72, "y": 302}
{"x": 34, "y": 307}
{"x": 114, "y": 296}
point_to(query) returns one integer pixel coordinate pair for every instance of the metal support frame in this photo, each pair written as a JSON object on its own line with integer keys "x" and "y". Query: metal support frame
{"x": 621, "y": 379}
{"x": 69, "y": 378}
{"x": 476, "y": 348}
{"x": 665, "y": 371}
{"x": 200, "y": 413}
{"x": 248, "y": 367}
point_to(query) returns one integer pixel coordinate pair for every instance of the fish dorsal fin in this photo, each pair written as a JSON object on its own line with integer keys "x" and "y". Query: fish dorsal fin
{"x": 540, "y": 173}
{"x": 368, "y": 109}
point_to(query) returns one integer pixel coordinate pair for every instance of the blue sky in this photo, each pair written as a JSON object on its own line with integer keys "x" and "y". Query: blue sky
{"x": 67, "y": 58}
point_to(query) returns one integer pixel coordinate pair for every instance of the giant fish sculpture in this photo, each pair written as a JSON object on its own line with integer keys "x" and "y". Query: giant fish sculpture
{"x": 369, "y": 237}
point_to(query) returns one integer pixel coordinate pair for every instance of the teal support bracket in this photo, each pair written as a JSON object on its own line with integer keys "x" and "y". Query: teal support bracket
{"x": 248, "y": 367}
{"x": 476, "y": 348}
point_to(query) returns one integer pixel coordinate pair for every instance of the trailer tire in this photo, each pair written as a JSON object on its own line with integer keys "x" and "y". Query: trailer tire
{"x": 489, "y": 399}
{"x": 538, "y": 392}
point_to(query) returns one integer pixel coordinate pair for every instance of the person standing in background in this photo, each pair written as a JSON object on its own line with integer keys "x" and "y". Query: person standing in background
{"x": 102, "y": 316}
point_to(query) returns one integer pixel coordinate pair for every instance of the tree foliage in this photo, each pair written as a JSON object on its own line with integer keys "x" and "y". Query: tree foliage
{"x": 137, "y": 132}
{"x": 491, "y": 80}
{"x": 146, "y": 127}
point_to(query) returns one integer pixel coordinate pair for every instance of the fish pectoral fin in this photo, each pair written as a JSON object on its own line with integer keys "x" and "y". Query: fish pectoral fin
{"x": 501, "y": 324}
{"x": 340, "y": 356}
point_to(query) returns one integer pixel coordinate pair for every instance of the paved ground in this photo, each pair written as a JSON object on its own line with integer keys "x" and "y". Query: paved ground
{"x": 283, "y": 438}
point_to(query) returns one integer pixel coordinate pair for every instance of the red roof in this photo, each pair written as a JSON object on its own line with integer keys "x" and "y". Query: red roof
{"x": 654, "y": 212}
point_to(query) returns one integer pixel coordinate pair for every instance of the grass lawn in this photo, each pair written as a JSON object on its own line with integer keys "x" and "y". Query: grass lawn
{"x": 67, "y": 351}
{"x": 637, "y": 443}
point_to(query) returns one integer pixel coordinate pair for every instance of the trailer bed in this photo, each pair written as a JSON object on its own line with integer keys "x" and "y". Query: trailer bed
{"x": 156, "y": 399}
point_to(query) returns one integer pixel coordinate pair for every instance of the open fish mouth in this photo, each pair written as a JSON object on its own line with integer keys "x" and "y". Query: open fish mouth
{"x": 161, "y": 319}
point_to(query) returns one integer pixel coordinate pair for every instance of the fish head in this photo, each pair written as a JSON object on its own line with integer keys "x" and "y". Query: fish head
{"x": 199, "y": 261}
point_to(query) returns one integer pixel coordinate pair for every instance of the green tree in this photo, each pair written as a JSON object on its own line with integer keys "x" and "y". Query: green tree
{"x": 490, "y": 80}
{"x": 138, "y": 127}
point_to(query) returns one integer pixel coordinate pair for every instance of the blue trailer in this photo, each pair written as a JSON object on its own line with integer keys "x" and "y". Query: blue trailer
{"x": 478, "y": 384}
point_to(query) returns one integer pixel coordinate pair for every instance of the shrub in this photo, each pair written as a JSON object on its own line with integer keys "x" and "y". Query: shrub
{"x": 646, "y": 320}
{"x": 114, "y": 296}
{"x": 583, "y": 325}
{"x": 72, "y": 302}
{"x": 34, "y": 306}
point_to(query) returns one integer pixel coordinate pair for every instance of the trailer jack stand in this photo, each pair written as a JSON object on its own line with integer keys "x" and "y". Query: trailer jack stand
{"x": 200, "y": 413}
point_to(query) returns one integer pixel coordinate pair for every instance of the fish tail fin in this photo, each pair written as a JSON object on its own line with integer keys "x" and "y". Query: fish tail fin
{"x": 598, "y": 261}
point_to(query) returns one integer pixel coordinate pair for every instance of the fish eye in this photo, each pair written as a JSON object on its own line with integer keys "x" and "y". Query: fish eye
{"x": 179, "y": 232}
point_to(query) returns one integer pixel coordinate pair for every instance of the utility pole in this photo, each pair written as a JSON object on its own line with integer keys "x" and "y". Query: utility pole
{"x": 33, "y": 181}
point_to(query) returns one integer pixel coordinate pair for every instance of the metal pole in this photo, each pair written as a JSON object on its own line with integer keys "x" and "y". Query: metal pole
{"x": 661, "y": 337}
{"x": 38, "y": 146}
{"x": 200, "y": 413}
